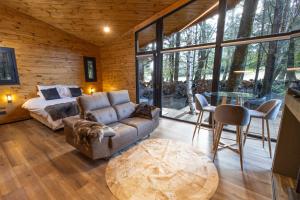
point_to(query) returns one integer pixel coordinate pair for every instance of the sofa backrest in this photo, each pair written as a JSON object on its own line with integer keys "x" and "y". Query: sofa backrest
{"x": 99, "y": 106}
{"x": 121, "y": 102}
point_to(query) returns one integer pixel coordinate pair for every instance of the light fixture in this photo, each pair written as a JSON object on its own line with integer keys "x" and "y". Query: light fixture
{"x": 293, "y": 69}
{"x": 9, "y": 98}
{"x": 92, "y": 90}
{"x": 241, "y": 71}
{"x": 106, "y": 29}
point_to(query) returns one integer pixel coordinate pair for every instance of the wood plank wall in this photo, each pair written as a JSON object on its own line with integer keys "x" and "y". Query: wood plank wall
{"x": 118, "y": 65}
{"x": 44, "y": 55}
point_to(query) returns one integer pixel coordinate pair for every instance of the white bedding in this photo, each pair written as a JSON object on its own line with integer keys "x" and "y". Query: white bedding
{"x": 37, "y": 106}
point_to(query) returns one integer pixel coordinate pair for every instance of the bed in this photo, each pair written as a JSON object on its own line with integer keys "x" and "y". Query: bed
{"x": 37, "y": 106}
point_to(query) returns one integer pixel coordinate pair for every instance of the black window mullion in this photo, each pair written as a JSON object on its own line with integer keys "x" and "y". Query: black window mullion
{"x": 218, "y": 49}
{"x": 158, "y": 63}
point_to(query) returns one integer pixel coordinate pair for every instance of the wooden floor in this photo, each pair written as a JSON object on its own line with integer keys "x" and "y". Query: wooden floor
{"x": 36, "y": 163}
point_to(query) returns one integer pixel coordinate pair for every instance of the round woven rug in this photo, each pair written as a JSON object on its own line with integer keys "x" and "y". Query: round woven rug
{"x": 162, "y": 169}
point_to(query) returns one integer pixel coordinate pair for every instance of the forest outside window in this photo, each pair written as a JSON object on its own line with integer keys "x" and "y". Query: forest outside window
{"x": 184, "y": 74}
{"x": 252, "y": 18}
{"x": 191, "y": 25}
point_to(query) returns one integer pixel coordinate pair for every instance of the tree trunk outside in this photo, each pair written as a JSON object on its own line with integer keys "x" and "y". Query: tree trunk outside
{"x": 177, "y": 55}
{"x": 241, "y": 50}
{"x": 201, "y": 59}
{"x": 291, "y": 61}
{"x": 260, "y": 52}
{"x": 189, "y": 84}
{"x": 171, "y": 66}
{"x": 271, "y": 56}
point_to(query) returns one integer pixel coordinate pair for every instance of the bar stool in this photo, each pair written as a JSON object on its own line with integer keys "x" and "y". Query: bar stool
{"x": 231, "y": 115}
{"x": 202, "y": 106}
{"x": 266, "y": 111}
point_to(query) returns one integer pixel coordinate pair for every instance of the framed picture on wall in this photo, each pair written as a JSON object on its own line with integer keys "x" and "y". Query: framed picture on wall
{"x": 8, "y": 67}
{"x": 90, "y": 69}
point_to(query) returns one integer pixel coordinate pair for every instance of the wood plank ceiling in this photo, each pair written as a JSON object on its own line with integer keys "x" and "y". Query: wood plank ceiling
{"x": 86, "y": 18}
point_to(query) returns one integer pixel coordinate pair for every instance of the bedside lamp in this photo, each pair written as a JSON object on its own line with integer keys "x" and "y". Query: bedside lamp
{"x": 9, "y": 98}
{"x": 92, "y": 90}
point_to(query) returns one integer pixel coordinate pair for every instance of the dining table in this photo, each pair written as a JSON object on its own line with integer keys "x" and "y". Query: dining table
{"x": 239, "y": 97}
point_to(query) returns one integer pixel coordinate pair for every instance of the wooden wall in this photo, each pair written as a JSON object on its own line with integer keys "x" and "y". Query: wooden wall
{"x": 44, "y": 55}
{"x": 118, "y": 65}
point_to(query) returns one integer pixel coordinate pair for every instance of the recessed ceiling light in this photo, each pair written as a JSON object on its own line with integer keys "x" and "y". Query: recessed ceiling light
{"x": 106, "y": 29}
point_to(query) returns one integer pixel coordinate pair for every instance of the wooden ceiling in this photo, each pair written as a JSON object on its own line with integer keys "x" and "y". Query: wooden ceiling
{"x": 86, "y": 18}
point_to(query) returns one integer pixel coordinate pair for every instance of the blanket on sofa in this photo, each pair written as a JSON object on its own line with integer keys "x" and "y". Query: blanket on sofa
{"x": 144, "y": 110}
{"x": 62, "y": 110}
{"x": 85, "y": 131}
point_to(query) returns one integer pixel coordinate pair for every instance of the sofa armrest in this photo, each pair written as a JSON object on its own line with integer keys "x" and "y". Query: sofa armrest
{"x": 155, "y": 113}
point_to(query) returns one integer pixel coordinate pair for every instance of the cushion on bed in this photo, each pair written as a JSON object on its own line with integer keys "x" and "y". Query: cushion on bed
{"x": 75, "y": 92}
{"x": 63, "y": 90}
{"x": 50, "y": 94}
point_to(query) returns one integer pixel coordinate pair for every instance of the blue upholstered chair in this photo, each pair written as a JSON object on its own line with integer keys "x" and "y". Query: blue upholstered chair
{"x": 267, "y": 111}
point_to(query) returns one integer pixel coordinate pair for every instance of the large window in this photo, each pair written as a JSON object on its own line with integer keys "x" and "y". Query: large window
{"x": 258, "y": 56}
{"x": 263, "y": 71}
{"x": 147, "y": 39}
{"x": 184, "y": 74}
{"x": 251, "y": 18}
{"x": 194, "y": 24}
{"x": 145, "y": 81}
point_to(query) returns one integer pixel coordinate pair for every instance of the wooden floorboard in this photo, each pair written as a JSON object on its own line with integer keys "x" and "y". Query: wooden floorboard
{"x": 37, "y": 163}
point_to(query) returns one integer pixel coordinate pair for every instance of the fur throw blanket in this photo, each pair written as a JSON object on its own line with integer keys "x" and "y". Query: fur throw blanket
{"x": 85, "y": 131}
{"x": 62, "y": 110}
{"x": 144, "y": 110}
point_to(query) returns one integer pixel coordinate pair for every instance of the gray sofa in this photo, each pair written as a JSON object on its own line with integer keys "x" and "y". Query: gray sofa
{"x": 113, "y": 109}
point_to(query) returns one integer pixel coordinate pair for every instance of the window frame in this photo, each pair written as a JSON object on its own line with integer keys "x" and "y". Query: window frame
{"x": 15, "y": 76}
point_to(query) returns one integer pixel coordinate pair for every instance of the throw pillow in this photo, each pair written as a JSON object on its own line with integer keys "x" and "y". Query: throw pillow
{"x": 50, "y": 94}
{"x": 75, "y": 92}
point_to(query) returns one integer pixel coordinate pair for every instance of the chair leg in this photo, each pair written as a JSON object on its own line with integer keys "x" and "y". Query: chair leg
{"x": 218, "y": 136}
{"x": 240, "y": 143}
{"x": 269, "y": 139}
{"x": 200, "y": 122}
{"x": 247, "y": 131}
{"x": 196, "y": 126}
{"x": 213, "y": 126}
{"x": 263, "y": 132}
{"x": 216, "y": 131}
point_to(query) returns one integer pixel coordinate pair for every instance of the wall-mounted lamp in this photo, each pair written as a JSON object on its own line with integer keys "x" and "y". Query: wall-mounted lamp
{"x": 9, "y": 98}
{"x": 92, "y": 90}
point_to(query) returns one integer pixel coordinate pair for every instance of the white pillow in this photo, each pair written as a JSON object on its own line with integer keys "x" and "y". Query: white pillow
{"x": 64, "y": 91}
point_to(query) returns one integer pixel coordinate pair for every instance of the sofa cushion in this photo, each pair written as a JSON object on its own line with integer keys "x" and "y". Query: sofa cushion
{"x": 88, "y": 103}
{"x": 144, "y": 126}
{"x": 105, "y": 115}
{"x": 118, "y": 97}
{"x": 125, "y": 135}
{"x": 124, "y": 110}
